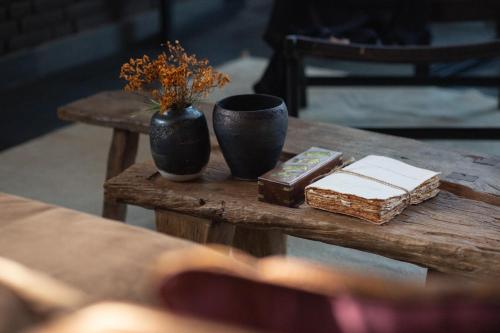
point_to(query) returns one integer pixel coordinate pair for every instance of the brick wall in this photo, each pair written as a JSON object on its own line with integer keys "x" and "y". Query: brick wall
{"x": 28, "y": 23}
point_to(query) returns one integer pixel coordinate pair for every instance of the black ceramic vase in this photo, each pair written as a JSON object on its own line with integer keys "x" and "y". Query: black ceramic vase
{"x": 251, "y": 131}
{"x": 180, "y": 143}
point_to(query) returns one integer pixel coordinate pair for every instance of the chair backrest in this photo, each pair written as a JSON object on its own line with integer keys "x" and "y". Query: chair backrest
{"x": 317, "y": 47}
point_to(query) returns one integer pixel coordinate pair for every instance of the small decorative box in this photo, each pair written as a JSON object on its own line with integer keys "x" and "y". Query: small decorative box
{"x": 284, "y": 185}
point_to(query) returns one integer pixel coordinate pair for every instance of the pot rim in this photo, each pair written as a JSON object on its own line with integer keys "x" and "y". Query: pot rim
{"x": 279, "y": 102}
{"x": 172, "y": 111}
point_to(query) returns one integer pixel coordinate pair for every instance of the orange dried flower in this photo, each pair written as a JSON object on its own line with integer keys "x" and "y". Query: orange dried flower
{"x": 182, "y": 77}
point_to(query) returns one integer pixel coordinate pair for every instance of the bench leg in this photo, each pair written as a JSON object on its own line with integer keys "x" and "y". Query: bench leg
{"x": 303, "y": 85}
{"x": 293, "y": 85}
{"x": 121, "y": 155}
{"x": 498, "y": 98}
{"x": 422, "y": 70}
{"x": 437, "y": 277}
{"x": 260, "y": 242}
{"x": 196, "y": 229}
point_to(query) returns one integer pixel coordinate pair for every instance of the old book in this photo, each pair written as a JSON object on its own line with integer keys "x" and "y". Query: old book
{"x": 284, "y": 185}
{"x": 375, "y": 188}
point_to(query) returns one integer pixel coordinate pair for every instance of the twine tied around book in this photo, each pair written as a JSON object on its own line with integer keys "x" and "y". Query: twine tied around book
{"x": 339, "y": 169}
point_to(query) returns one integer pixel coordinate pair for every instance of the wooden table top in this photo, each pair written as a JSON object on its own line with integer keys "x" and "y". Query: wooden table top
{"x": 457, "y": 232}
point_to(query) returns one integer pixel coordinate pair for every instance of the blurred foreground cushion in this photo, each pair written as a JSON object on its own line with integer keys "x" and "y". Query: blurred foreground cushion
{"x": 286, "y": 295}
{"x": 102, "y": 258}
{"x": 15, "y": 314}
{"x": 112, "y": 317}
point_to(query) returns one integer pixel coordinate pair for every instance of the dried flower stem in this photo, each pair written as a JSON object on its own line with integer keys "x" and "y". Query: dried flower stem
{"x": 183, "y": 78}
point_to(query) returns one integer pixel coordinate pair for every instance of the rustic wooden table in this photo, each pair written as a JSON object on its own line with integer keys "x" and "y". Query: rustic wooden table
{"x": 457, "y": 232}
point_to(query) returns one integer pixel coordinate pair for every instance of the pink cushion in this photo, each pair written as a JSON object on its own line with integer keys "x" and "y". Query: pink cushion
{"x": 236, "y": 300}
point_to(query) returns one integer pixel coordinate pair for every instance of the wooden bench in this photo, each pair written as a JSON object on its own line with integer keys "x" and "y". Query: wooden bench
{"x": 463, "y": 239}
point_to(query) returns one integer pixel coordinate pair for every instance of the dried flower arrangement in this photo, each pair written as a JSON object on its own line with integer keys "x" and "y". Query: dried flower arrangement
{"x": 183, "y": 79}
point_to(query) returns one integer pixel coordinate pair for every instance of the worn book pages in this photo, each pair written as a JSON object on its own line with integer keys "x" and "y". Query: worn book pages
{"x": 379, "y": 167}
{"x": 377, "y": 188}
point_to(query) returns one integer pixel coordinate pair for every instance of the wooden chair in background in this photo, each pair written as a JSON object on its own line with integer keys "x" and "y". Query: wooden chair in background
{"x": 297, "y": 48}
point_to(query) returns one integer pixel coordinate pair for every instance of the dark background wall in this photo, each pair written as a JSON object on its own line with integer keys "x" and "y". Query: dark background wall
{"x": 28, "y": 23}
{"x": 37, "y": 79}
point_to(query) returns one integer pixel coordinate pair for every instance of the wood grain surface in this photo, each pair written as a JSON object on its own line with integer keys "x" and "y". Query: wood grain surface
{"x": 196, "y": 229}
{"x": 448, "y": 233}
{"x": 471, "y": 175}
{"x": 122, "y": 153}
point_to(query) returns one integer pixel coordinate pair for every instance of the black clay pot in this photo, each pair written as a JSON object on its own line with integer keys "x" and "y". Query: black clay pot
{"x": 180, "y": 143}
{"x": 251, "y": 131}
